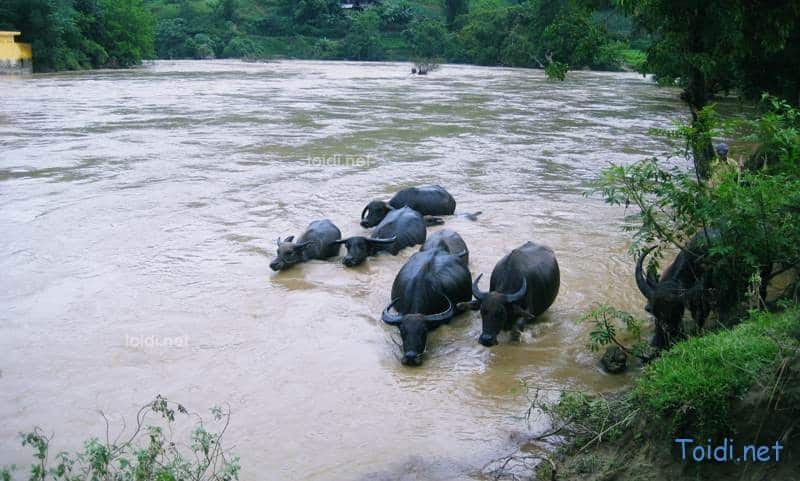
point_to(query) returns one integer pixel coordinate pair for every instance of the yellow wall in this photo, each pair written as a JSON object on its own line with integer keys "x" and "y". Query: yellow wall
{"x": 13, "y": 51}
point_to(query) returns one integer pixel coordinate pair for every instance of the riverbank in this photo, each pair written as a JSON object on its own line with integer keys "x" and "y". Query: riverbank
{"x": 731, "y": 399}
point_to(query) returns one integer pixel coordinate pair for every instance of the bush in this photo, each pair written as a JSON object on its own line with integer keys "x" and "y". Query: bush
{"x": 241, "y": 47}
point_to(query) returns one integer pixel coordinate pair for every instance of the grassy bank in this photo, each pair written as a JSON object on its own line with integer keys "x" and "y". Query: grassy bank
{"x": 742, "y": 384}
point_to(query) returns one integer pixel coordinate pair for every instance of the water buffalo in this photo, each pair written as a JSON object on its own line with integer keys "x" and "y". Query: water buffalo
{"x": 523, "y": 285}
{"x": 317, "y": 242}
{"x": 427, "y": 200}
{"x": 401, "y": 228}
{"x": 424, "y": 293}
{"x": 447, "y": 240}
{"x": 684, "y": 284}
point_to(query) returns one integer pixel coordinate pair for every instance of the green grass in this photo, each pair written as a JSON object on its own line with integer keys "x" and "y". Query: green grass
{"x": 694, "y": 383}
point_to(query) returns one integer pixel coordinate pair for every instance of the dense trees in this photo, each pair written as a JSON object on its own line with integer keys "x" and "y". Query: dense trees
{"x": 714, "y": 46}
{"x": 80, "y": 34}
{"x": 492, "y": 32}
{"x": 536, "y": 33}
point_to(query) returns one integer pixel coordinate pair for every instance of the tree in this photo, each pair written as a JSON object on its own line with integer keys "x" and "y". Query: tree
{"x": 454, "y": 8}
{"x": 82, "y": 34}
{"x": 129, "y": 32}
{"x": 427, "y": 38}
{"x": 719, "y": 45}
{"x": 170, "y": 38}
{"x": 363, "y": 41}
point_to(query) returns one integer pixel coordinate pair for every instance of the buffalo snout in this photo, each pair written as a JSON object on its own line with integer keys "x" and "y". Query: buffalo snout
{"x": 276, "y": 265}
{"x": 350, "y": 262}
{"x": 488, "y": 340}
{"x": 412, "y": 358}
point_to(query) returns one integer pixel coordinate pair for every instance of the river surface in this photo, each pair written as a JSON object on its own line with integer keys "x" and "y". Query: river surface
{"x": 138, "y": 216}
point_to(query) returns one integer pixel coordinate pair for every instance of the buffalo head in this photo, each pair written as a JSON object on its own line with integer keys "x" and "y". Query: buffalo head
{"x": 665, "y": 301}
{"x": 497, "y": 310}
{"x": 289, "y": 253}
{"x": 359, "y": 248}
{"x": 374, "y": 213}
{"x": 414, "y": 330}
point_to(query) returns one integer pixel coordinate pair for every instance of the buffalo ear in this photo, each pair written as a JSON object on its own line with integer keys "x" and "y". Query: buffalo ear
{"x": 289, "y": 239}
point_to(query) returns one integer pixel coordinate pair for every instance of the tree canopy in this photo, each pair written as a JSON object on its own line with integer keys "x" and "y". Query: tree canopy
{"x": 80, "y": 34}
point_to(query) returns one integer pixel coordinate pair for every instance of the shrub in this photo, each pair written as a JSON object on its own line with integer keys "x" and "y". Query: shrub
{"x": 556, "y": 71}
{"x": 149, "y": 453}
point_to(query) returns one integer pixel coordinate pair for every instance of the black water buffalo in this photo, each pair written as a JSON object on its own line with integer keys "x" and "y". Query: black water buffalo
{"x": 684, "y": 284}
{"x": 317, "y": 242}
{"x": 427, "y": 200}
{"x": 447, "y": 240}
{"x": 523, "y": 285}
{"x": 424, "y": 294}
{"x": 401, "y": 228}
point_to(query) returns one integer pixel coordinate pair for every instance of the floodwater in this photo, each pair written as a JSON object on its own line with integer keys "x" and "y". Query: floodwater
{"x": 138, "y": 216}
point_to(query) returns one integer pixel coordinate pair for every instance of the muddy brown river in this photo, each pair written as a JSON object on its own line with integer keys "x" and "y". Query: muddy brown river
{"x": 138, "y": 216}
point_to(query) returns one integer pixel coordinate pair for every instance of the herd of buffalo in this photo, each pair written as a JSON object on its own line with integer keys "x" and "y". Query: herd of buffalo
{"x": 435, "y": 284}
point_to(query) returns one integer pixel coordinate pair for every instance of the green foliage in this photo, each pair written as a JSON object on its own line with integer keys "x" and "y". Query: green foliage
{"x": 559, "y": 32}
{"x": 149, "y": 453}
{"x": 692, "y": 385}
{"x": 129, "y": 32}
{"x": 428, "y": 38}
{"x": 171, "y": 35}
{"x": 584, "y": 419}
{"x": 777, "y": 136}
{"x": 717, "y": 45}
{"x": 556, "y": 71}
{"x": 396, "y": 16}
{"x": 453, "y": 9}
{"x": 749, "y": 219}
{"x": 489, "y": 32}
{"x": 81, "y": 34}
{"x": 606, "y": 320}
{"x": 362, "y": 42}
{"x": 572, "y": 37}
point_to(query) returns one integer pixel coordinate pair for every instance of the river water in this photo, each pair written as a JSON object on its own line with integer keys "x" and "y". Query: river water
{"x": 138, "y": 212}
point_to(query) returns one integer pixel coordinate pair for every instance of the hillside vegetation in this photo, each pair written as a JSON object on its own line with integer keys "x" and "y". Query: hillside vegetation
{"x": 488, "y": 32}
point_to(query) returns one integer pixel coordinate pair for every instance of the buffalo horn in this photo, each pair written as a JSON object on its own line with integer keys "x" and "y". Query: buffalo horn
{"x": 509, "y": 298}
{"x": 645, "y": 284}
{"x": 476, "y": 291}
{"x": 391, "y": 319}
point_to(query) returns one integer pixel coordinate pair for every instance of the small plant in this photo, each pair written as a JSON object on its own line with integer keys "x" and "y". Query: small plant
{"x": 606, "y": 320}
{"x": 556, "y": 70}
{"x": 148, "y": 453}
